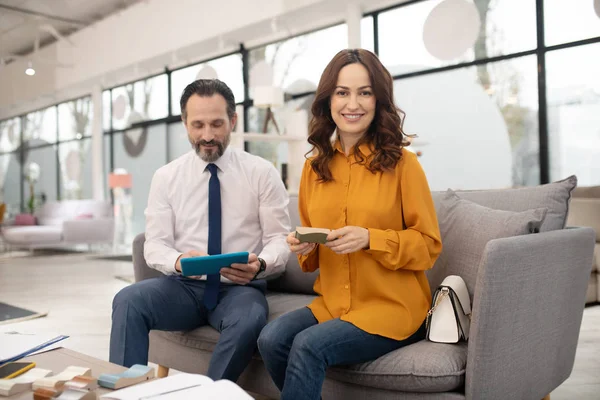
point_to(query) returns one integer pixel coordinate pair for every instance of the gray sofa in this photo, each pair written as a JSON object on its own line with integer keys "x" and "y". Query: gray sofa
{"x": 63, "y": 224}
{"x": 585, "y": 211}
{"x": 528, "y": 295}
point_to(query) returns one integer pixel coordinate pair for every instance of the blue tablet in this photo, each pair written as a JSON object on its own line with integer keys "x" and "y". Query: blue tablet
{"x": 206, "y": 265}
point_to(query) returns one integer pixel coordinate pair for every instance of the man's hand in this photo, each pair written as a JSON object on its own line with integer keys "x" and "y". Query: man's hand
{"x": 297, "y": 247}
{"x": 189, "y": 254}
{"x": 348, "y": 239}
{"x": 242, "y": 274}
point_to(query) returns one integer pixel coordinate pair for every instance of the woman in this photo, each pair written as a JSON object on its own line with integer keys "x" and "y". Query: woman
{"x": 373, "y": 194}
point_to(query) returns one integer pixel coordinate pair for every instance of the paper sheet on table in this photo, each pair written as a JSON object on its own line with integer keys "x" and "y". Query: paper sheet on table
{"x": 15, "y": 344}
{"x": 218, "y": 390}
{"x": 153, "y": 389}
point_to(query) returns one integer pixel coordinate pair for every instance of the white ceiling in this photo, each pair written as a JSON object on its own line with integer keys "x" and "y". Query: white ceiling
{"x": 23, "y": 21}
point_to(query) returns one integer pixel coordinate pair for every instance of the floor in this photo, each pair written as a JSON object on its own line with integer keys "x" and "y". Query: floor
{"x": 77, "y": 290}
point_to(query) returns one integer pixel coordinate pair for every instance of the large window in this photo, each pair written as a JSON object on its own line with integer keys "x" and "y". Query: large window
{"x": 507, "y": 26}
{"x": 140, "y": 152}
{"x": 75, "y": 119}
{"x": 228, "y": 69}
{"x": 39, "y": 127}
{"x": 477, "y": 120}
{"x": 10, "y": 183}
{"x": 10, "y": 135}
{"x": 298, "y": 62}
{"x": 140, "y": 101}
{"x": 367, "y": 34}
{"x": 75, "y": 159}
{"x": 484, "y": 135}
{"x": 45, "y": 189}
{"x": 574, "y": 113}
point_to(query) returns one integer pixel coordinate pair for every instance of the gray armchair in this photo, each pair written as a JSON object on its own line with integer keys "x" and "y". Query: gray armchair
{"x": 528, "y": 301}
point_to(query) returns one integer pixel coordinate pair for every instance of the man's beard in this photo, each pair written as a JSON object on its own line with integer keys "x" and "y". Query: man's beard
{"x": 210, "y": 155}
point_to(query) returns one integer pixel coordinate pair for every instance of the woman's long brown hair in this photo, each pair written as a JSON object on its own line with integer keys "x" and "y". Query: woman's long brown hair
{"x": 385, "y": 133}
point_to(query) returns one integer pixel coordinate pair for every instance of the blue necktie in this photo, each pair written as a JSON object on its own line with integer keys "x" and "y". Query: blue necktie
{"x": 211, "y": 293}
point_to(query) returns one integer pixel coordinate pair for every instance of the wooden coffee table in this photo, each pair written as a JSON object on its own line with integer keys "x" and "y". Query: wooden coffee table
{"x": 59, "y": 359}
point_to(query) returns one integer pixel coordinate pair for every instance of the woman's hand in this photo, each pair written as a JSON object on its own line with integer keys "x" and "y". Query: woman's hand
{"x": 301, "y": 249}
{"x": 348, "y": 239}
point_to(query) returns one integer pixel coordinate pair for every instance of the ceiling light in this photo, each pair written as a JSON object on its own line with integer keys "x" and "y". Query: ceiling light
{"x": 30, "y": 71}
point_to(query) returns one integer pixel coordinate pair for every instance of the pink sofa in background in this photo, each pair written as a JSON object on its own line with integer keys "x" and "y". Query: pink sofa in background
{"x": 64, "y": 223}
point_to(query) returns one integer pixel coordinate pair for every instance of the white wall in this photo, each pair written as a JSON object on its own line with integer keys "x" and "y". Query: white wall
{"x": 152, "y": 34}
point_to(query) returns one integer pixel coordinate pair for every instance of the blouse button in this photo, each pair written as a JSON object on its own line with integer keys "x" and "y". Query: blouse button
{"x": 346, "y": 287}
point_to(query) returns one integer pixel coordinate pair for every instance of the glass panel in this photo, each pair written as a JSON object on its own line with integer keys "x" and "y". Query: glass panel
{"x": 574, "y": 113}
{"x": 76, "y": 169}
{"x": 568, "y": 21}
{"x": 10, "y": 134}
{"x": 367, "y": 36}
{"x": 485, "y": 131}
{"x": 106, "y": 110}
{"x": 299, "y": 62}
{"x": 10, "y": 184}
{"x": 141, "y": 153}
{"x": 106, "y": 152}
{"x": 75, "y": 119}
{"x": 509, "y": 27}
{"x": 39, "y": 127}
{"x": 45, "y": 187}
{"x": 141, "y": 101}
{"x": 179, "y": 143}
{"x": 229, "y": 70}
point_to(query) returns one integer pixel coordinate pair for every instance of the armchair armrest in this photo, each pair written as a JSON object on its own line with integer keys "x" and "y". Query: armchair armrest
{"x": 527, "y": 310}
{"x": 88, "y": 230}
{"x": 141, "y": 270}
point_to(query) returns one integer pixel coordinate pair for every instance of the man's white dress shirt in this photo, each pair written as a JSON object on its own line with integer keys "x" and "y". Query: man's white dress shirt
{"x": 254, "y": 209}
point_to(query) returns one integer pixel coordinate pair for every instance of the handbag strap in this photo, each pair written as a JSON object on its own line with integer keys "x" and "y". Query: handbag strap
{"x": 439, "y": 296}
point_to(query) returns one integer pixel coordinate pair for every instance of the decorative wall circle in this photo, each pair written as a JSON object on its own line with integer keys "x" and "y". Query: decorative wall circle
{"x": 451, "y": 28}
{"x": 134, "y": 141}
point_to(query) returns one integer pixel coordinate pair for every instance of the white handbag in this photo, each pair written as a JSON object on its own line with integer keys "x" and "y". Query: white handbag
{"x": 449, "y": 319}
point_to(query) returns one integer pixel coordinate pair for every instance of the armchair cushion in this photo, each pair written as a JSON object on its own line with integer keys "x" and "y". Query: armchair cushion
{"x": 466, "y": 228}
{"x": 421, "y": 367}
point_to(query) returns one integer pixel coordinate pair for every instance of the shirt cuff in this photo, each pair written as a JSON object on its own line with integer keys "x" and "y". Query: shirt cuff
{"x": 377, "y": 240}
{"x": 170, "y": 261}
{"x": 304, "y": 257}
{"x": 269, "y": 261}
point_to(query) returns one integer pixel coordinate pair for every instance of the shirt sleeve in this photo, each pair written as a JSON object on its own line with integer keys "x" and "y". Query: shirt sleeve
{"x": 419, "y": 245}
{"x": 159, "y": 250}
{"x": 310, "y": 261}
{"x": 275, "y": 223}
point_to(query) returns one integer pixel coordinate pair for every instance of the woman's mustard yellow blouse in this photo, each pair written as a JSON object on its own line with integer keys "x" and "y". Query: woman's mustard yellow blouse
{"x": 382, "y": 290}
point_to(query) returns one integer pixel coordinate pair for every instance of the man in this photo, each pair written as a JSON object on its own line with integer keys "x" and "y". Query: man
{"x": 212, "y": 200}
